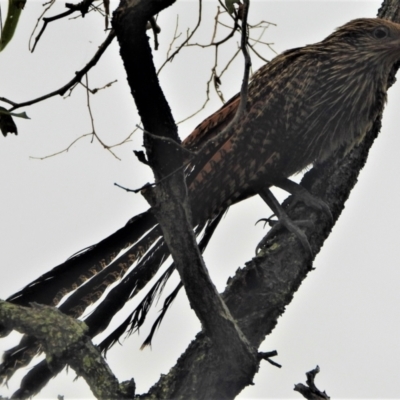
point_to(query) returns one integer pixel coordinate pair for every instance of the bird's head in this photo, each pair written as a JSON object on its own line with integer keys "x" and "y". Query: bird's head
{"x": 370, "y": 37}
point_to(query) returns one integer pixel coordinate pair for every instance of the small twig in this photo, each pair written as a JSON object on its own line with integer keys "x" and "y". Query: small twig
{"x": 62, "y": 151}
{"x": 88, "y": 106}
{"x": 133, "y": 190}
{"x": 176, "y": 36}
{"x": 258, "y": 54}
{"x": 126, "y": 140}
{"x": 78, "y": 75}
{"x": 246, "y": 73}
{"x": 47, "y": 21}
{"x": 156, "y": 30}
{"x": 49, "y": 5}
{"x": 222, "y": 41}
{"x": 83, "y": 7}
{"x": 204, "y": 104}
{"x": 229, "y": 62}
{"x": 261, "y": 24}
{"x": 5, "y": 100}
{"x": 267, "y": 357}
{"x": 186, "y": 41}
{"x": 94, "y": 91}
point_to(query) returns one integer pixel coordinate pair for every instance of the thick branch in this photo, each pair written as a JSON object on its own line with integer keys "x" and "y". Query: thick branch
{"x": 65, "y": 342}
{"x": 169, "y": 198}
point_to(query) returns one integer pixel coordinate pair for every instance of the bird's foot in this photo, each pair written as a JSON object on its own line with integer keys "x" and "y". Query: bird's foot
{"x": 312, "y": 201}
{"x": 283, "y": 222}
{"x": 292, "y": 226}
{"x": 300, "y": 194}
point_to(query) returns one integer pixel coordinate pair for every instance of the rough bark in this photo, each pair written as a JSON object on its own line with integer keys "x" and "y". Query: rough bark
{"x": 65, "y": 342}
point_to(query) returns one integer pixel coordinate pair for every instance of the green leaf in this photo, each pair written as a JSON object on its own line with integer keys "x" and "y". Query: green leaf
{"x": 19, "y": 115}
{"x": 14, "y": 11}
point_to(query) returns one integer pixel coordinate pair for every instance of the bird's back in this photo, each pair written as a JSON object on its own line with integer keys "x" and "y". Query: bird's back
{"x": 304, "y": 106}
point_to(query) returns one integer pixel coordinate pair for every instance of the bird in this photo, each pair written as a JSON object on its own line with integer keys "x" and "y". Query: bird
{"x": 307, "y": 105}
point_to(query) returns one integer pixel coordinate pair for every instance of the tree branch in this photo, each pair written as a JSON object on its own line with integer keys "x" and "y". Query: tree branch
{"x": 78, "y": 76}
{"x": 65, "y": 342}
{"x": 170, "y": 203}
{"x": 83, "y": 7}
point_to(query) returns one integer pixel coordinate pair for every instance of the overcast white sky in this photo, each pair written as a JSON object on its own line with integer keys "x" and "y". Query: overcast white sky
{"x": 345, "y": 316}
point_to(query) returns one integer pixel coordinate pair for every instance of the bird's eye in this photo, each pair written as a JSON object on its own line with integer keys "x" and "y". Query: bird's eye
{"x": 381, "y": 32}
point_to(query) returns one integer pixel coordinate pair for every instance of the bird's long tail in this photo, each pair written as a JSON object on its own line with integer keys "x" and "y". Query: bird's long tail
{"x": 149, "y": 250}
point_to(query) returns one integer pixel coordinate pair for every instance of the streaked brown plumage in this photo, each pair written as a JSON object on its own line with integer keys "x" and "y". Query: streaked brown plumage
{"x": 305, "y": 106}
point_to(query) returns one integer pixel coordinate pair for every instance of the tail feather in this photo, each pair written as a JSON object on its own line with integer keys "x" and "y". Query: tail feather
{"x": 36, "y": 379}
{"x": 89, "y": 293}
{"x": 167, "y": 302}
{"x": 137, "y": 318}
{"x": 55, "y": 284}
{"x": 209, "y": 231}
{"x": 39, "y": 375}
{"x": 99, "y": 319}
{"x": 134, "y": 281}
{"x": 18, "y": 357}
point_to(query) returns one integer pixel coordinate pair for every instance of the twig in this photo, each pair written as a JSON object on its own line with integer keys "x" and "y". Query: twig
{"x": 49, "y": 5}
{"x": 83, "y": 7}
{"x": 78, "y": 75}
{"x": 176, "y": 36}
{"x": 5, "y": 100}
{"x": 267, "y": 357}
{"x": 258, "y": 54}
{"x": 132, "y": 190}
{"x": 156, "y": 30}
{"x": 62, "y": 151}
{"x": 94, "y": 91}
{"x": 246, "y": 73}
{"x": 186, "y": 41}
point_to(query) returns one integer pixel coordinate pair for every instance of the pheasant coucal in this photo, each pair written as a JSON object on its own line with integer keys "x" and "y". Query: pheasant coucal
{"x": 305, "y": 106}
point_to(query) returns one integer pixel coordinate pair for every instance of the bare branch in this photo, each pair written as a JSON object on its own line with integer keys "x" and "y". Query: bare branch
{"x": 82, "y": 7}
{"x": 78, "y": 76}
{"x": 94, "y": 91}
{"x": 49, "y": 5}
{"x": 62, "y": 151}
{"x": 186, "y": 41}
{"x": 156, "y": 30}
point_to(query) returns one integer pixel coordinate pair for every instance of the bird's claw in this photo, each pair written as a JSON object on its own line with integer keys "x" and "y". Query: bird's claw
{"x": 312, "y": 201}
{"x": 269, "y": 221}
{"x": 291, "y": 226}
